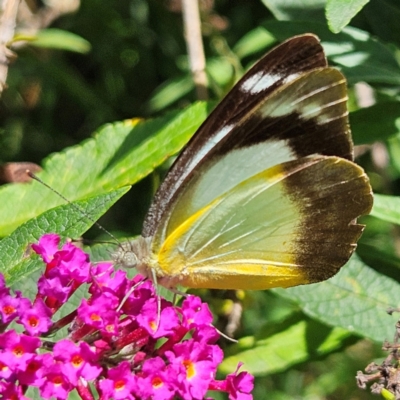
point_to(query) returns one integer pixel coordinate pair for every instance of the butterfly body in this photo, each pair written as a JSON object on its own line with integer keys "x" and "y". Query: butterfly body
{"x": 265, "y": 194}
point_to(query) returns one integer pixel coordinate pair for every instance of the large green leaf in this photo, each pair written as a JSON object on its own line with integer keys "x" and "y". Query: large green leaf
{"x": 304, "y": 10}
{"x": 374, "y": 123}
{"x": 386, "y": 208}
{"x": 69, "y": 221}
{"x": 356, "y": 299}
{"x": 283, "y": 349}
{"x": 383, "y": 18}
{"x": 340, "y": 12}
{"x": 120, "y": 154}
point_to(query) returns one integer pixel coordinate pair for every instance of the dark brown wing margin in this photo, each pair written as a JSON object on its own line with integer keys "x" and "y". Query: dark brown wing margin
{"x": 331, "y": 194}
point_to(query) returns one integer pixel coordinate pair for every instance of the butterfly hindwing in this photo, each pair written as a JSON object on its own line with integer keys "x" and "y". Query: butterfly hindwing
{"x": 291, "y": 224}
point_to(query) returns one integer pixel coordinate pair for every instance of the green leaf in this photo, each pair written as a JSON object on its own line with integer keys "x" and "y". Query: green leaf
{"x": 68, "y": 220}
{"x": 58, "y": 39}
{"x": 355, "y": 52}
{"x": 221, "y": 71}
{"x": 169, "y": 92}
{"x": 356, "y": 299}
{"x": 382, "y": 17}
{"x": 340, "y": 12}
{"x": 380, "y": 257}
{"x": 120, "y": 154}
{"x": 253, "y": 42}
{"x": 387, "y": 395}
{"x": 386, "y": 208}
{"x": 279, "y": 351}
{"x": 393, "y": 147}
{"x": 377, "y": 122}
{"x": 304, "y": 10}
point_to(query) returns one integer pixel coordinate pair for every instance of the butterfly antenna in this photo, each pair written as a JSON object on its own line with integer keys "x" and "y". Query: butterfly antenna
{"x": 75, "y": 206}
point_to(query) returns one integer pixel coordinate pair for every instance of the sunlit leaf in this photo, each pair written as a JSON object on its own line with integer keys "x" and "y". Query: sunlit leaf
{"x": 340, "y": 12}
{"x": 58, "y": 39}
{"x": 68, "y": 220}
{"x": 119, "y": 154}
{"x": 356, "y": 299}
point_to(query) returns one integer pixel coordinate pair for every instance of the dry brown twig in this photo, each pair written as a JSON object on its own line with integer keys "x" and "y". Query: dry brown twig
{"x": 385, "y": 378}
{"x": 16, "y": 15}
{"x": 31, "y": 21}
{"x": 7, "y": 28}
{"x": 194, "y": 43}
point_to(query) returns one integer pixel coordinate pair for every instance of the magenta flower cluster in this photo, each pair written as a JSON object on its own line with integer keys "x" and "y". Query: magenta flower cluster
{"x": 123, "y": 342}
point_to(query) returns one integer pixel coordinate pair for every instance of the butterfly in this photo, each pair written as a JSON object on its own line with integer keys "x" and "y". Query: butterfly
{"x": 266, "y": 193}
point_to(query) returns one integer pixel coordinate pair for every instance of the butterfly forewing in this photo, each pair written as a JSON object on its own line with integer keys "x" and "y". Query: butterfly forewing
{"x": 283, "y": 64}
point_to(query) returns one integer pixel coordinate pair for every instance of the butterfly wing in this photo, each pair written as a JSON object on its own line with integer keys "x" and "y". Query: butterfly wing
{"x": 303, "y": 117}
{"x": 280, "y": 66}
{"x": 291, "y": 224}
{"x": 265, "y": 194}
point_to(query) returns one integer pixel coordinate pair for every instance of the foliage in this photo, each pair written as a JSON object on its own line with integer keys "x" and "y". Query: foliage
{"x": 306, "y": 342}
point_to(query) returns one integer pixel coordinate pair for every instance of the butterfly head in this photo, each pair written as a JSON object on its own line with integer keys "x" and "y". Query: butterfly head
{"x": 135, "y": 254}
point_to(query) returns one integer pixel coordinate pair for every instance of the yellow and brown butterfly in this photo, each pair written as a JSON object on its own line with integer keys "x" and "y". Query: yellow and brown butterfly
{"x": 266, "y": 193}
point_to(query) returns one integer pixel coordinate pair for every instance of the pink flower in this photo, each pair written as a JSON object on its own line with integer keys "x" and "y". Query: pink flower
{"x": 157, "y": 381}
{"x": 106, "y": 280}
{"x": 157, "y": 325}
{"x": 240, "y": 385}
{"x": 100, "y": 313}
{"x": 10, "y": 391}
{"x": 36, "y": 370}
{"x": 73, "y": 262}
{"x": 36, "y": 319}
{"x": 56, "y": 288}
{"x": 119, "y": 384}
{"x": 17, "y": 349}
{"x": 195, "y": 312}
{"x": 6, "y": 366}
{"x": 195, "y": 365}
{"x": 69, "y": 262}
{"x": 56, "y": 384}
{"x": 8, "y": 308}
{"x": 77, "y": 361}
{"x": 141, "y": 293}
{"x": 47, "y": 247}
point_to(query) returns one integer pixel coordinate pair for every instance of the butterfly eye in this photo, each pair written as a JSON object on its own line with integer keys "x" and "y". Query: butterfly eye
{"x": 126, "y": 256}
{"x": 134, "y": 254}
